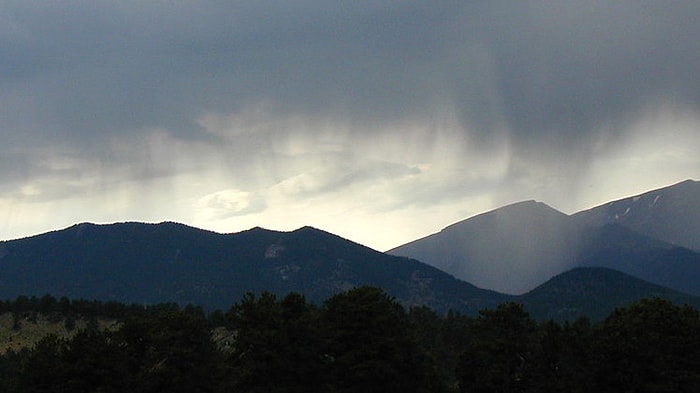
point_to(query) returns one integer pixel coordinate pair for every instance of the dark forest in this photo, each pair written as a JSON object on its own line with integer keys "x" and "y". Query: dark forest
{"x": 361, "y": 340}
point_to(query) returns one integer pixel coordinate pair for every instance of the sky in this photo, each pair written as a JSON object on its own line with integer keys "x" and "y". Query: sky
{"x": 379, "y": 121}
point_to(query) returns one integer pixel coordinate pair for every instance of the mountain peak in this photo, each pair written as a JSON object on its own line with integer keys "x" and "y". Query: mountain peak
{"x": 511, "y": 249}
{"x": 308, "y": 228}
{"x": 515, "y": 212}
{"x": 687, "y": 182}
{"x": 671, "y": 214}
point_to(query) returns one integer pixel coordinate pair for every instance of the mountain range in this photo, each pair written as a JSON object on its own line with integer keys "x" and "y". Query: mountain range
{"x": 559, "y": 266}
{"x": 653, "y": 236}
{"x": 170, "y": 262}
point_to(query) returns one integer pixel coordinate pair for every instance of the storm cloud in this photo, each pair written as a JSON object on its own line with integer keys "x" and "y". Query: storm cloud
{"x": 349, "y": 116}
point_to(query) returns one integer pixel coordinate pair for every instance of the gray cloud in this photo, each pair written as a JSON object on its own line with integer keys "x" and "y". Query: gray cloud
{"x": 546, "y": 70}
{"x": 548, "y": 88}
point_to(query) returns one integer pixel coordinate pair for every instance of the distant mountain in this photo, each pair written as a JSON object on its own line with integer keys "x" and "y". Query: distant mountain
{"x": 594, "y": 293}
{"x": 671, "y": 214}
{"x": 515, "y": 248}
{"x": 169, "y": 262}
{"x": 617, "y": 247}
{"x": 511, "y": 249}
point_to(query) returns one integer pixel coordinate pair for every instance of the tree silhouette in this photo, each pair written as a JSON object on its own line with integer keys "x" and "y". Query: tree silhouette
{"x": 500, "y": 355}
{"x": 650, "y": 346}
{"x": 277, "y": 346}
{"x": 371, "y": 346}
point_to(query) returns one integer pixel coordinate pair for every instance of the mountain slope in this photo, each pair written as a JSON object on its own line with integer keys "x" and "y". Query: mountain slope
{"x": 593, "y": 292}
{"x": 617, "y": 247}
{"x": 671, "y": 214}
{"x": 511, "y": 249}
{"x": 515, "y": 248}
{"x": 169, "y": 262}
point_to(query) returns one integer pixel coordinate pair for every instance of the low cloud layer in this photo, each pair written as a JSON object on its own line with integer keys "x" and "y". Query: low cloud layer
{"x": 381, "y": 122}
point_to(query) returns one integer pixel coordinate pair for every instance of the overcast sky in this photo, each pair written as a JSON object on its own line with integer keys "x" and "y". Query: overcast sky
{"x": 380, "y": 121}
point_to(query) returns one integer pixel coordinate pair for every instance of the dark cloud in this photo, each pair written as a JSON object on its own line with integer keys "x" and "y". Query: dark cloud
{"x": 544, "y": 70}
{"x": 538, "y": 90}
{"x": 564, "y": 70}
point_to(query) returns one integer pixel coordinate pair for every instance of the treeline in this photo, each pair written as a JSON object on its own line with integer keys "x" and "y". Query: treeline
{"x": 48, "y": 305}
{"x": 357, "y": 341}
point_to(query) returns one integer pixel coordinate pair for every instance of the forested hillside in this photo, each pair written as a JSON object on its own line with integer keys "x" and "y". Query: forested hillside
{"x": 359, "y": 340}
{"x": 170, "y": 262}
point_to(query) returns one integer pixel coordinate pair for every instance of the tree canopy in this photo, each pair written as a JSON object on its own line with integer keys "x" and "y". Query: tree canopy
{"x": 361, "y": 340}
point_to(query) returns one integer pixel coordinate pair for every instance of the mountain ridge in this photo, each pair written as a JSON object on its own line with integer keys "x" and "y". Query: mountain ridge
{"x": 528, "y": 242}
{"x": 166, "y": 262}
{"x": 170, "y": 262}
{"x": 496, "y": 238}
{"x": 670, "y": 213}
{"x": 147, "y": 263}
{"x": 593, "y": 292}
